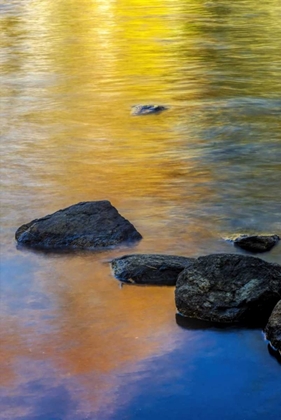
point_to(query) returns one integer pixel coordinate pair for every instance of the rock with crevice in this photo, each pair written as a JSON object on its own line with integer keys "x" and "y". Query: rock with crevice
{"x": 228, "y": 288}
{"x": 256, "y": 243}
{"x": 154, "y": 269}
{"x": 86, "y": 225}
{"x": 273, "y": 327}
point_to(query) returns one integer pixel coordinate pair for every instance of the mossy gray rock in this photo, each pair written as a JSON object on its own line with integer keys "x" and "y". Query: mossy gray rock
{"x": 153, "y": 269}
{"x": 273, "y": 327}
{"x": 86, "y": 225}
{"x": 228, "y": 288}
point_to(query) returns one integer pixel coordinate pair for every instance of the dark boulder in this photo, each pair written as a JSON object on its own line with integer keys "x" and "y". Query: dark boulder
{"x": 147, "y": 109}
{"x": 273, "y": 327}
{"x": 256, "y": 243}
{"x": 229, "y": 288}
{"x": 149, "y": 268}
{"x": 86, "y": 225}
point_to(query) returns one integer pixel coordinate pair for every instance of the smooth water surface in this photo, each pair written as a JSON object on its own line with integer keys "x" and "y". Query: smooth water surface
{"x": 74, "y": 345}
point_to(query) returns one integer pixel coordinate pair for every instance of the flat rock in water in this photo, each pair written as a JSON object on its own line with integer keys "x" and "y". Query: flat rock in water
{"x": 147, "y": 109}
{"x": 86, "y": 225}
{"x": 256, "y": 243}
{"x": 229, "y": 288}
{"x": 273, "y": 327}
{"x": 149, "y": 268}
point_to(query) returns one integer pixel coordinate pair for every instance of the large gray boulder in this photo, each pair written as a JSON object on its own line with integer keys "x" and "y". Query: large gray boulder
{"x": 86, "y": 225}
{"x": 273, "y": 327}
{"x": 149, "y": 268}
{"x": 256, "y": 243}
{"x": 228, "y": 288}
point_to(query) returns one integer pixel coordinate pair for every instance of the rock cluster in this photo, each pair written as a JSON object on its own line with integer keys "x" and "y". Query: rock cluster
{"x": 220, "y": 288}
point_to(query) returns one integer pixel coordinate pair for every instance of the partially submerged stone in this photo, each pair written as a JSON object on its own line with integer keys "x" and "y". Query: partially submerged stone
{"x": 273, "y": 327}
{"x": 86, "y": 225}
{"x": 153, "y": 269}
{"x": 256, "y": 243}
{"x": 147, "y": 109}
{"x": 228, "y": 288}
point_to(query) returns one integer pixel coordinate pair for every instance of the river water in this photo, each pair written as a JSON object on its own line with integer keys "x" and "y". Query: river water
{"x": 74, "y": 345}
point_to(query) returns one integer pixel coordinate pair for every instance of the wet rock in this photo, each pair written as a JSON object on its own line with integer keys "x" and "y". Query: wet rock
{"x": 86, "y": 225}
{"x": 147, "y": 109}
{"x": 256, "y": 243}
{"x": 273, "y": 327}
{"x": 149, "y": 268}
{"x": 229, "y": 288}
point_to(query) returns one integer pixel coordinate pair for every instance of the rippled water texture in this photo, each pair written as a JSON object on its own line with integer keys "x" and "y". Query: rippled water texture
{"x": 74, "y": 345}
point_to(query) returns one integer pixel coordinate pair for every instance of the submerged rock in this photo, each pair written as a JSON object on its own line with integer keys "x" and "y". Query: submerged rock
{"x": 86, "y": 225}
{"x": 149, "y": 268}
{"x": 273, "y": 327}
{"x": 256, "y": 243}
{"x": 228, "y": 288}
{"x": 147, "y": 109}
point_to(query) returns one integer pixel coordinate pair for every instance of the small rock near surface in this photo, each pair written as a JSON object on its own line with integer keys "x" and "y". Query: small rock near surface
{"x": 273, "y": 327}
{"x": 154, "y": 269}
{"x": 256, "y": 243}
{"x": 228, "y": 288}
{"x": 147, "y": 109}
{"x": 86, "y": 225}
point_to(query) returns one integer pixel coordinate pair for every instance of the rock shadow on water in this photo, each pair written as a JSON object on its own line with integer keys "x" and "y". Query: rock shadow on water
{"x": 192, "y": 324}
{"x": 84, "y": 252}
{"x": 274, "y": 353}
{"x": 198, "y": 324}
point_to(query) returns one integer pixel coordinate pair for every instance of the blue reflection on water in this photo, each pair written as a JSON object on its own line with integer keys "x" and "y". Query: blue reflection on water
{"x": 55, "y": 402}
{"x": 221, "y": 374}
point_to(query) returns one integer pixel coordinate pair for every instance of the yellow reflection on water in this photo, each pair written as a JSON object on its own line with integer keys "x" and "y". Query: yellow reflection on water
{"x": 72, "y": 70}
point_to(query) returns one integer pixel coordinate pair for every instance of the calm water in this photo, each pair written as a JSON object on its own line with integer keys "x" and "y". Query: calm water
{"x": 74, "y": 345}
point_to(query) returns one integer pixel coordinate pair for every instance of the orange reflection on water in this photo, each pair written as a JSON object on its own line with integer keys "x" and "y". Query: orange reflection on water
{"x": 106, "y": 324}
{"x": 12, "y": 345}
{"x": 71, "y": 70}
{"x": 96, "y": 332}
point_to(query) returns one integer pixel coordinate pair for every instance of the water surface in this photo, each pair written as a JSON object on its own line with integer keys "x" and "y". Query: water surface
{"x": 75, "y": 345}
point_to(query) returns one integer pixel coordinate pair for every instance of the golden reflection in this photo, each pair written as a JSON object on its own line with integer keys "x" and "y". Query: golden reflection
{"x": 71, "y": 71}
{"x": 109, "y": 326}
{"x": 96, "y": 329}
